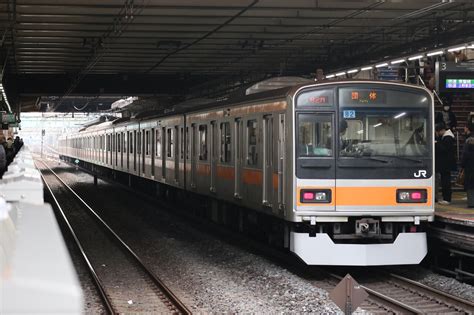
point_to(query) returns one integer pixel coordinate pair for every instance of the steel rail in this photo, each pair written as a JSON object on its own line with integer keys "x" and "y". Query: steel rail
{"x": 167, "y": 292}
{"x": 91, "y": 269}
{"x": 382, "y": 299}
{"x": 463, "y": 304}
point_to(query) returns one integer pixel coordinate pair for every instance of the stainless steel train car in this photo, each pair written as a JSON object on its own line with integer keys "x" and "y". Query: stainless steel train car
{"x": 344, "y": 168}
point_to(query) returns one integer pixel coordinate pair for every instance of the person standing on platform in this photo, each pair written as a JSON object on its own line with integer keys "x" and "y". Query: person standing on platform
{"x": 447, "y": 117}
{"x": 446, "y": 160}
{"x": 3, "y": 156}
{"x": 467, "y": 163}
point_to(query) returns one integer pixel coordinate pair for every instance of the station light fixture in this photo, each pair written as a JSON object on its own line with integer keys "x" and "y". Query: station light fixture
{"x": 395, "y": 62}
{"x": 435, "y": 53}
{"x": 4, "y": 95}
{"x": 415, "y": 57}
{"x": 456, "y": 48}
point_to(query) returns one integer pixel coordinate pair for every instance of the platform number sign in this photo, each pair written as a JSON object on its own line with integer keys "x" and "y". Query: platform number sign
{"x": 347, "y": 114}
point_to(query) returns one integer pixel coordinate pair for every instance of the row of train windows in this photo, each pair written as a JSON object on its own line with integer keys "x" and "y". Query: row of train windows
{"x": 122, "y": 141}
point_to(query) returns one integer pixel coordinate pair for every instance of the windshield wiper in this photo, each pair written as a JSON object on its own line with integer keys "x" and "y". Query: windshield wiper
{"x": 402, "y": 158}
{"x": 409, "y": 159}
{"x": 376, "y": 159}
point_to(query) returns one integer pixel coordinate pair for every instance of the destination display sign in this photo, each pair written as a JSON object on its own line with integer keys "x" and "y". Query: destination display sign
{"x": 316, "y": 98}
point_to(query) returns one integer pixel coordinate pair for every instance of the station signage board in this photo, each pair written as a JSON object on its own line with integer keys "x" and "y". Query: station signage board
{"x": 454, "y": 77}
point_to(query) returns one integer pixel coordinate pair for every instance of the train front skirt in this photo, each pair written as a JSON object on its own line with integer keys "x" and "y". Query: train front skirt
{"x": 408, "y": 249}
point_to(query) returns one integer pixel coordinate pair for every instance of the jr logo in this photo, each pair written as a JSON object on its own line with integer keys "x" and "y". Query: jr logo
{"x": 420, "y": 173}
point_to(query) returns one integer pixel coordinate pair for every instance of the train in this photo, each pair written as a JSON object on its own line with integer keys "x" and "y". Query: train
{"x": 337, "y": 172}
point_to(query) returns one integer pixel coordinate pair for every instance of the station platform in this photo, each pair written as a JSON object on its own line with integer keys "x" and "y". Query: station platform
{"x": 457, "y": 212}
{"x": 36, "y": 272}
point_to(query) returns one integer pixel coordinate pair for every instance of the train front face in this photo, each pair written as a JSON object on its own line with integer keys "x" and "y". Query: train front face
{"x": 363, "y": 188}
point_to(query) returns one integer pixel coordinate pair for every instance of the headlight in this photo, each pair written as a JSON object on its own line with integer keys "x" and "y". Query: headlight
{"x": 412, "y": 195}
{"x": 315, "y": 196}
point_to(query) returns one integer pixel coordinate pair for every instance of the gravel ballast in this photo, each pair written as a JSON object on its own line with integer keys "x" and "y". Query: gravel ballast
{"x": 208, "y": 274}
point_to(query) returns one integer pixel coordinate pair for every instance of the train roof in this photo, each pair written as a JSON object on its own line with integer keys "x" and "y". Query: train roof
{"x": 261, "y": 96}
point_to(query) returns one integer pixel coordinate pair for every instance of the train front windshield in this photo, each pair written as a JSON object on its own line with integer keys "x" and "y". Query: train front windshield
{"x": 383, "y": 132}
{"x": 383, "y": 123}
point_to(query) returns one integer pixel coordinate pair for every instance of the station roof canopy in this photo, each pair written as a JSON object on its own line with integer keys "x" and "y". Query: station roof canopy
{"x": 156, "y": 47}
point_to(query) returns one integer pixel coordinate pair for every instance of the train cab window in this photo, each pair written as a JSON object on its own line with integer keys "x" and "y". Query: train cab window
{"x": 170, "y": 142}
{"x": 315, "y": 135}
{"x": 147, "y": 142}
{"x": 158, "y": 143}
{"x": 203, "y": 142}
{"x": 252, "y": 154}
{"x": 225, "y": 154}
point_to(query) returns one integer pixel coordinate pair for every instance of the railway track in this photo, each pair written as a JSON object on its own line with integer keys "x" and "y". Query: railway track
{"x": 124, "y": 282}
{"x": 388, "y": 294}
{"x": 395, "y": 294}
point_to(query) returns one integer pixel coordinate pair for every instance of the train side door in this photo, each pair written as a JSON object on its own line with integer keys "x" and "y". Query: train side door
{"x": 144, "y": 143}
{"x": 163, "y": 152}
{"x": 238, "y": 156}
{"x": 267, "y": 196}
{"x": 213, "y": 158}
{"x": 176, "y": 154}
{"x": 152, "y": 153}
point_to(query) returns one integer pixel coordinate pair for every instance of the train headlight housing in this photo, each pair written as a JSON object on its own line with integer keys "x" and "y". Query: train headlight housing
{"x": 315, "y": 196}
{"x": 412, "y": 195}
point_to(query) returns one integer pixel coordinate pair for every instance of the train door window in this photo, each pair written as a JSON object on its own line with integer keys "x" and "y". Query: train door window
{"x": 315, "y": 135}
{"x": 130, "y": 142}
{"x": 147, "y": 142}
{"x": 124, "y": 142}
{"x": 176, "y": 142}
{"x": 252, "y": 153}
{"x": 203, "y": 142}
{"x": 158, "y": 143}
{"x": 187, "y": 143}
{"x": 225, "y": 151}
{"x": 181, "y": 144}
{"x": 139, "y": 143}
{"x": 118, "y": 143}
{"x": 170, "y": 142}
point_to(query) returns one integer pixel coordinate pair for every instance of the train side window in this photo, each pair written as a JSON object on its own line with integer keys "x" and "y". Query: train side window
{"x": 170, "y": 142}
{"x": 252, "y": 154}
{"x": 130, "y": 137}
{"x": 203, "y": 142}
{"x": 158, "y": 143}
{"x": 147, "y": 142}
{"x": 226, "y": 144}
